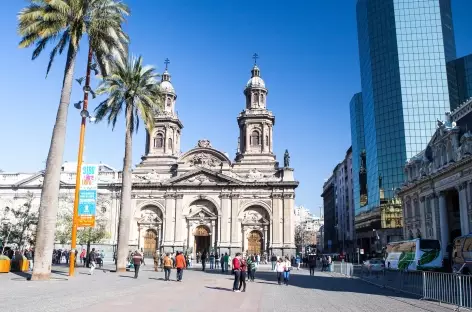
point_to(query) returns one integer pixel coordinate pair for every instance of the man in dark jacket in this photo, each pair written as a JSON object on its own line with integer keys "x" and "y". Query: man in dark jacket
{"x": 92, "y": 260}
{"x": 137, "y": 260}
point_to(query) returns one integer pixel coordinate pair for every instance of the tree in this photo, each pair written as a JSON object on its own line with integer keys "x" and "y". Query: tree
{"x": 300, "y": 236}
{"x": 134, "y": 89}
{"x": 65, "y": 22}
{"x": 21, "y": 228}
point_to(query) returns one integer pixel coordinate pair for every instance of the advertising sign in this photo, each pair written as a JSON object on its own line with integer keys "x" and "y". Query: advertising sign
{"x": 87, "y": 196}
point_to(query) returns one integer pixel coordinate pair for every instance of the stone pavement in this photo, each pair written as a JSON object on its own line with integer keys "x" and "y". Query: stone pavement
{"x": 199, "y": 291}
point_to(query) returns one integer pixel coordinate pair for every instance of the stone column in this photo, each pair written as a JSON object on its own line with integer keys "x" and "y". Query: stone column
{"x": 443, "y": 221}
{"x": 235, "y": 223}
{"x": 289, "y": 231}
{"x": 178, "y": 220}
{"x": 225, "y": 219}
{"x": 434, "y": 218}
{"x": 266, "y": 246}
{"x": 464, "y": 215}
{"x": 213, "y": 234}
{"x": 423, "y": 217}
{"x": 169, "y": 219}
{"x": 248, "y": 141}
{"x": 166, "y": 136}
{"x": 139, "y": 237}
{"x": 159, "y": 237}
{"x": 277, "y": 222}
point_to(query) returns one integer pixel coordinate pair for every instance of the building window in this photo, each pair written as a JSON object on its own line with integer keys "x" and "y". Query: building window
{"x": 255, "y": 138}
{"x": 159, "y": 141}
{"x": 267, "y": 140}
{"x": 170, "y": 143}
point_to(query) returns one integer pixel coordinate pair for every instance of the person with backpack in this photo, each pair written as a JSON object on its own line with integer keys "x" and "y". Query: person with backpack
{"x": 92, "y": 260}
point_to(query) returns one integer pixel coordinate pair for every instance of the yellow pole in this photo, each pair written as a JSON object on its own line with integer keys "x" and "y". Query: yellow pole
{"x": 73, "y": 245}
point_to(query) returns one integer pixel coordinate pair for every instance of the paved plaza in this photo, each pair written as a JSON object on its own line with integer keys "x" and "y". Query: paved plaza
{"x": 199, "y": 291}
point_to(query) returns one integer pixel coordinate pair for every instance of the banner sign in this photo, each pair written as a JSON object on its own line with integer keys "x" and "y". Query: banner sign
{"x": 87, "y": 196}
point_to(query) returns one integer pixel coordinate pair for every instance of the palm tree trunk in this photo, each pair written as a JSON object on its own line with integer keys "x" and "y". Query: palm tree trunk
{"x": 125, "y": 205}
{"x": 50, "y": 192}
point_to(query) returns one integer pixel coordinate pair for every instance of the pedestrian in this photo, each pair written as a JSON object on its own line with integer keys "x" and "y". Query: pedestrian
{"x": 167, "y": 267}
{"x": 312, "y": 264}
{"x": 236, "y": 269}
{"x": 225, "y": 263}
{"x": 258, "y": 259}
{"x": 82, "y": 257}
{"x": 242, "y": 278}
{"x": 203, "y": 258}
{"x": 142, "y": 253}
{"x": 298, "y": 260}
{"x": 92, "y": 258}
{"x": 180, "y": 265}
{"x": 217, "y": 261}
{"x": 273, "y": 260}
{"x": 137, "y": 260}
{"x": 29, "y": 257}
{"x": 251, "y": 266}
{"x": 280, "y": 269}
{"x": 288, "y": 268}
{"x": 212, "y": 261}
{"x": 156, "y": 260}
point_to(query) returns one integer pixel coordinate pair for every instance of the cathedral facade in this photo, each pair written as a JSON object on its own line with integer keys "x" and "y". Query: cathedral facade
{"x": 196, "y": 200}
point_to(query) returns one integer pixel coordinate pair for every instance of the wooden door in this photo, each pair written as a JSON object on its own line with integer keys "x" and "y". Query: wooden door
{"x": 150, "y": 243}
{"x": 254, "y": 243}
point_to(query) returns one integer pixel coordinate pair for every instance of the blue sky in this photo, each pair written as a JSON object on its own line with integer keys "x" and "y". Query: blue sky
{"x": 308, "y": 59}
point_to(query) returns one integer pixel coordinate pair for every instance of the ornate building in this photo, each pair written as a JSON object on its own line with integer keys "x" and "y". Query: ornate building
{"x": 437, "y": 195}
{"x": 197, "y": 200}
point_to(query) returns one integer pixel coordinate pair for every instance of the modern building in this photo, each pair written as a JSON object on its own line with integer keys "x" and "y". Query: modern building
{"x": 309, "y": 225}
{"x": 344, "y": 217}
{"x": 197, "y": 200}
{"x": 330, "y": 237}
{"x": 404, "y": 46}
{"x": 462, "y": 69}
{"x": 438, "y": 191}
{"x": 359, "y": 182}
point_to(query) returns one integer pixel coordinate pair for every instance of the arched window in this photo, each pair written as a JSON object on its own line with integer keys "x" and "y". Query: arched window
{"x": 169, "y": 145}
{"x": 255, "y": 138}
{"x": 169, "y": 101}
{"x": 262, "y": 98}
{"x": 159, "y": 141}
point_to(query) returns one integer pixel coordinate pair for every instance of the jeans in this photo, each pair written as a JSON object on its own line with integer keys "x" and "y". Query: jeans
{"x": 225, "y": 267}
{"x": 312, "y": 270}
{"x": 217, "y": 264}
{"x": 286, "y": 277}
{"x": 180, "y": 272}
{"x": 166, "y": 273}
{"x": 252, "y": 274}
{"x": 237, "y": 276}
{"x": 92, "y": 267}
{"x": 212, "y": 264}
{"x": 136, "y": 270}
{"x": 242, "y": 280}
{"x": 273, "y": 265}
{"x": 279, "y": 277}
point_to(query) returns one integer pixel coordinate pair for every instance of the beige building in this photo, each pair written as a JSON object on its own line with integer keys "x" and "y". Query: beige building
{"x": 197, "y": 200}
{"x": 437, "y": 197}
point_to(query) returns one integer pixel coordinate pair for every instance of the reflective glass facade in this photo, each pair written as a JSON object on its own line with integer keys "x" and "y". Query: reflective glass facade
{"x": 462, "y": 68}
{"x": 403, "y": 46}
{"x": 358, "y": 144}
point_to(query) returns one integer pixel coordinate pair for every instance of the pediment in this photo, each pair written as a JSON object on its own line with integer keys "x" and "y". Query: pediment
{"x": 201, "y": 212}
{"x": 202, "y": 176}
{"x": 204, "y": 156}
{"x": 35, "y": 180}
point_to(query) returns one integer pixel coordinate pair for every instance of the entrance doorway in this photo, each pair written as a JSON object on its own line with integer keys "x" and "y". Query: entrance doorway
{"x": 254, "y": 243}
{"x": 202, "y": 240}
{"x": 150, "y": 243}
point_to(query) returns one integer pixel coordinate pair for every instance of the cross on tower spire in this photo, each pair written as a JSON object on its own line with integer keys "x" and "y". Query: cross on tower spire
{"x": 167, "y": 62}
{"x": 255, "y": 57}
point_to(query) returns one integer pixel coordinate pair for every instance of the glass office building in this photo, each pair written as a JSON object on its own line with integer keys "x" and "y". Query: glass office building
{"x": 403, "y": 46}
{"x": 358, "y": 145}
{"x": 462, "y": 68}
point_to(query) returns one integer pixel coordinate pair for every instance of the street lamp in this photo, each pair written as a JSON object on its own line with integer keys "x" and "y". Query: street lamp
{"x": 85, "y": 115}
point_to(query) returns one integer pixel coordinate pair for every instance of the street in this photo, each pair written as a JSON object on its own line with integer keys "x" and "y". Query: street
{"x": 199, "y": 291}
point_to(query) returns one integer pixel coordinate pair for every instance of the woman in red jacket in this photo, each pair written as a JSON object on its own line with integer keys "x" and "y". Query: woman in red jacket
{"x": 242, "y": 277}
{"x": 236, "y": 272}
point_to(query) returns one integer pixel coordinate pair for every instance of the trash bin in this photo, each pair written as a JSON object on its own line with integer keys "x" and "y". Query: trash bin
{"x": 4, "y": 264}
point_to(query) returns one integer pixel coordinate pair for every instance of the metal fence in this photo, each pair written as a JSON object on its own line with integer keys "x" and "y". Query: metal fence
{"x": 455, "y": 289}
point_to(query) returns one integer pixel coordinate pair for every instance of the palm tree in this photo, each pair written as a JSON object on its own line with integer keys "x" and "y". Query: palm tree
{"x": 64, "y": 23}
{"x": 132, "y": 88}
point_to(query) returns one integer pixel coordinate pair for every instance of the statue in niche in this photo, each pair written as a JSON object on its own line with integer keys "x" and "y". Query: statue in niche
{"x": 286, "y": 159}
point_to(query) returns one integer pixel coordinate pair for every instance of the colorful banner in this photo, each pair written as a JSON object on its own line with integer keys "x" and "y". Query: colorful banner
{"x": 87, "y": 196}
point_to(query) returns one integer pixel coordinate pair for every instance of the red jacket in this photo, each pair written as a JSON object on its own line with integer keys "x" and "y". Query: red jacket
{"x": 236, "y": 264}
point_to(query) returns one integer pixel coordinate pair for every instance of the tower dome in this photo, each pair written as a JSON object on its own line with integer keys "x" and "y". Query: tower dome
{"x": 166, "y": 85}
{"x": 255, "y": 81}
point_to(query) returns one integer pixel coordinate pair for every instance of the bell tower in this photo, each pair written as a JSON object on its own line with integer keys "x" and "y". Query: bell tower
{"x": 163, "y": 144}
{"x": 256, "y": 124}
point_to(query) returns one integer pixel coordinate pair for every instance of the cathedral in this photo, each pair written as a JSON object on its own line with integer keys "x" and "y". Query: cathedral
{"x": 199, "y": 199}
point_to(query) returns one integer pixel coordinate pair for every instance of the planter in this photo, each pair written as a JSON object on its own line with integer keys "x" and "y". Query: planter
{"x": 4, "y": 265}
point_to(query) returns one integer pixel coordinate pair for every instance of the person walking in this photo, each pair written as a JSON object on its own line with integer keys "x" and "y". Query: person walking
{"x": 137, "y": 260}
{"x": 236, "y": 268}
{"x": 288, "y": 268}
{"x": 92, "y": 260}
{"x": 212, "y": 261}
{"x": 273, "y": 260}
{"x": 82, "y": 257}
{"x": 225, "y": 263}
{"x": 203, "y": 258}
{"x": 167, "y": 264}
{"x": 242, "y": 278}
{"x": 312, "y": 264}
{"x": 258, "y": 259}
{"x": 251, "y": 267}
{"x": 217, "y": 261}
{"x": 156, "y": 260}
{"x": 280, "y": 269}
{"x": 298, "y": 261}
{"x": 180, "y": 265}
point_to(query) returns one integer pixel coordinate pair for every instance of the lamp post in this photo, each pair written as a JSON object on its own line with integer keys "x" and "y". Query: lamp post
{"x": 84, "y": 114}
